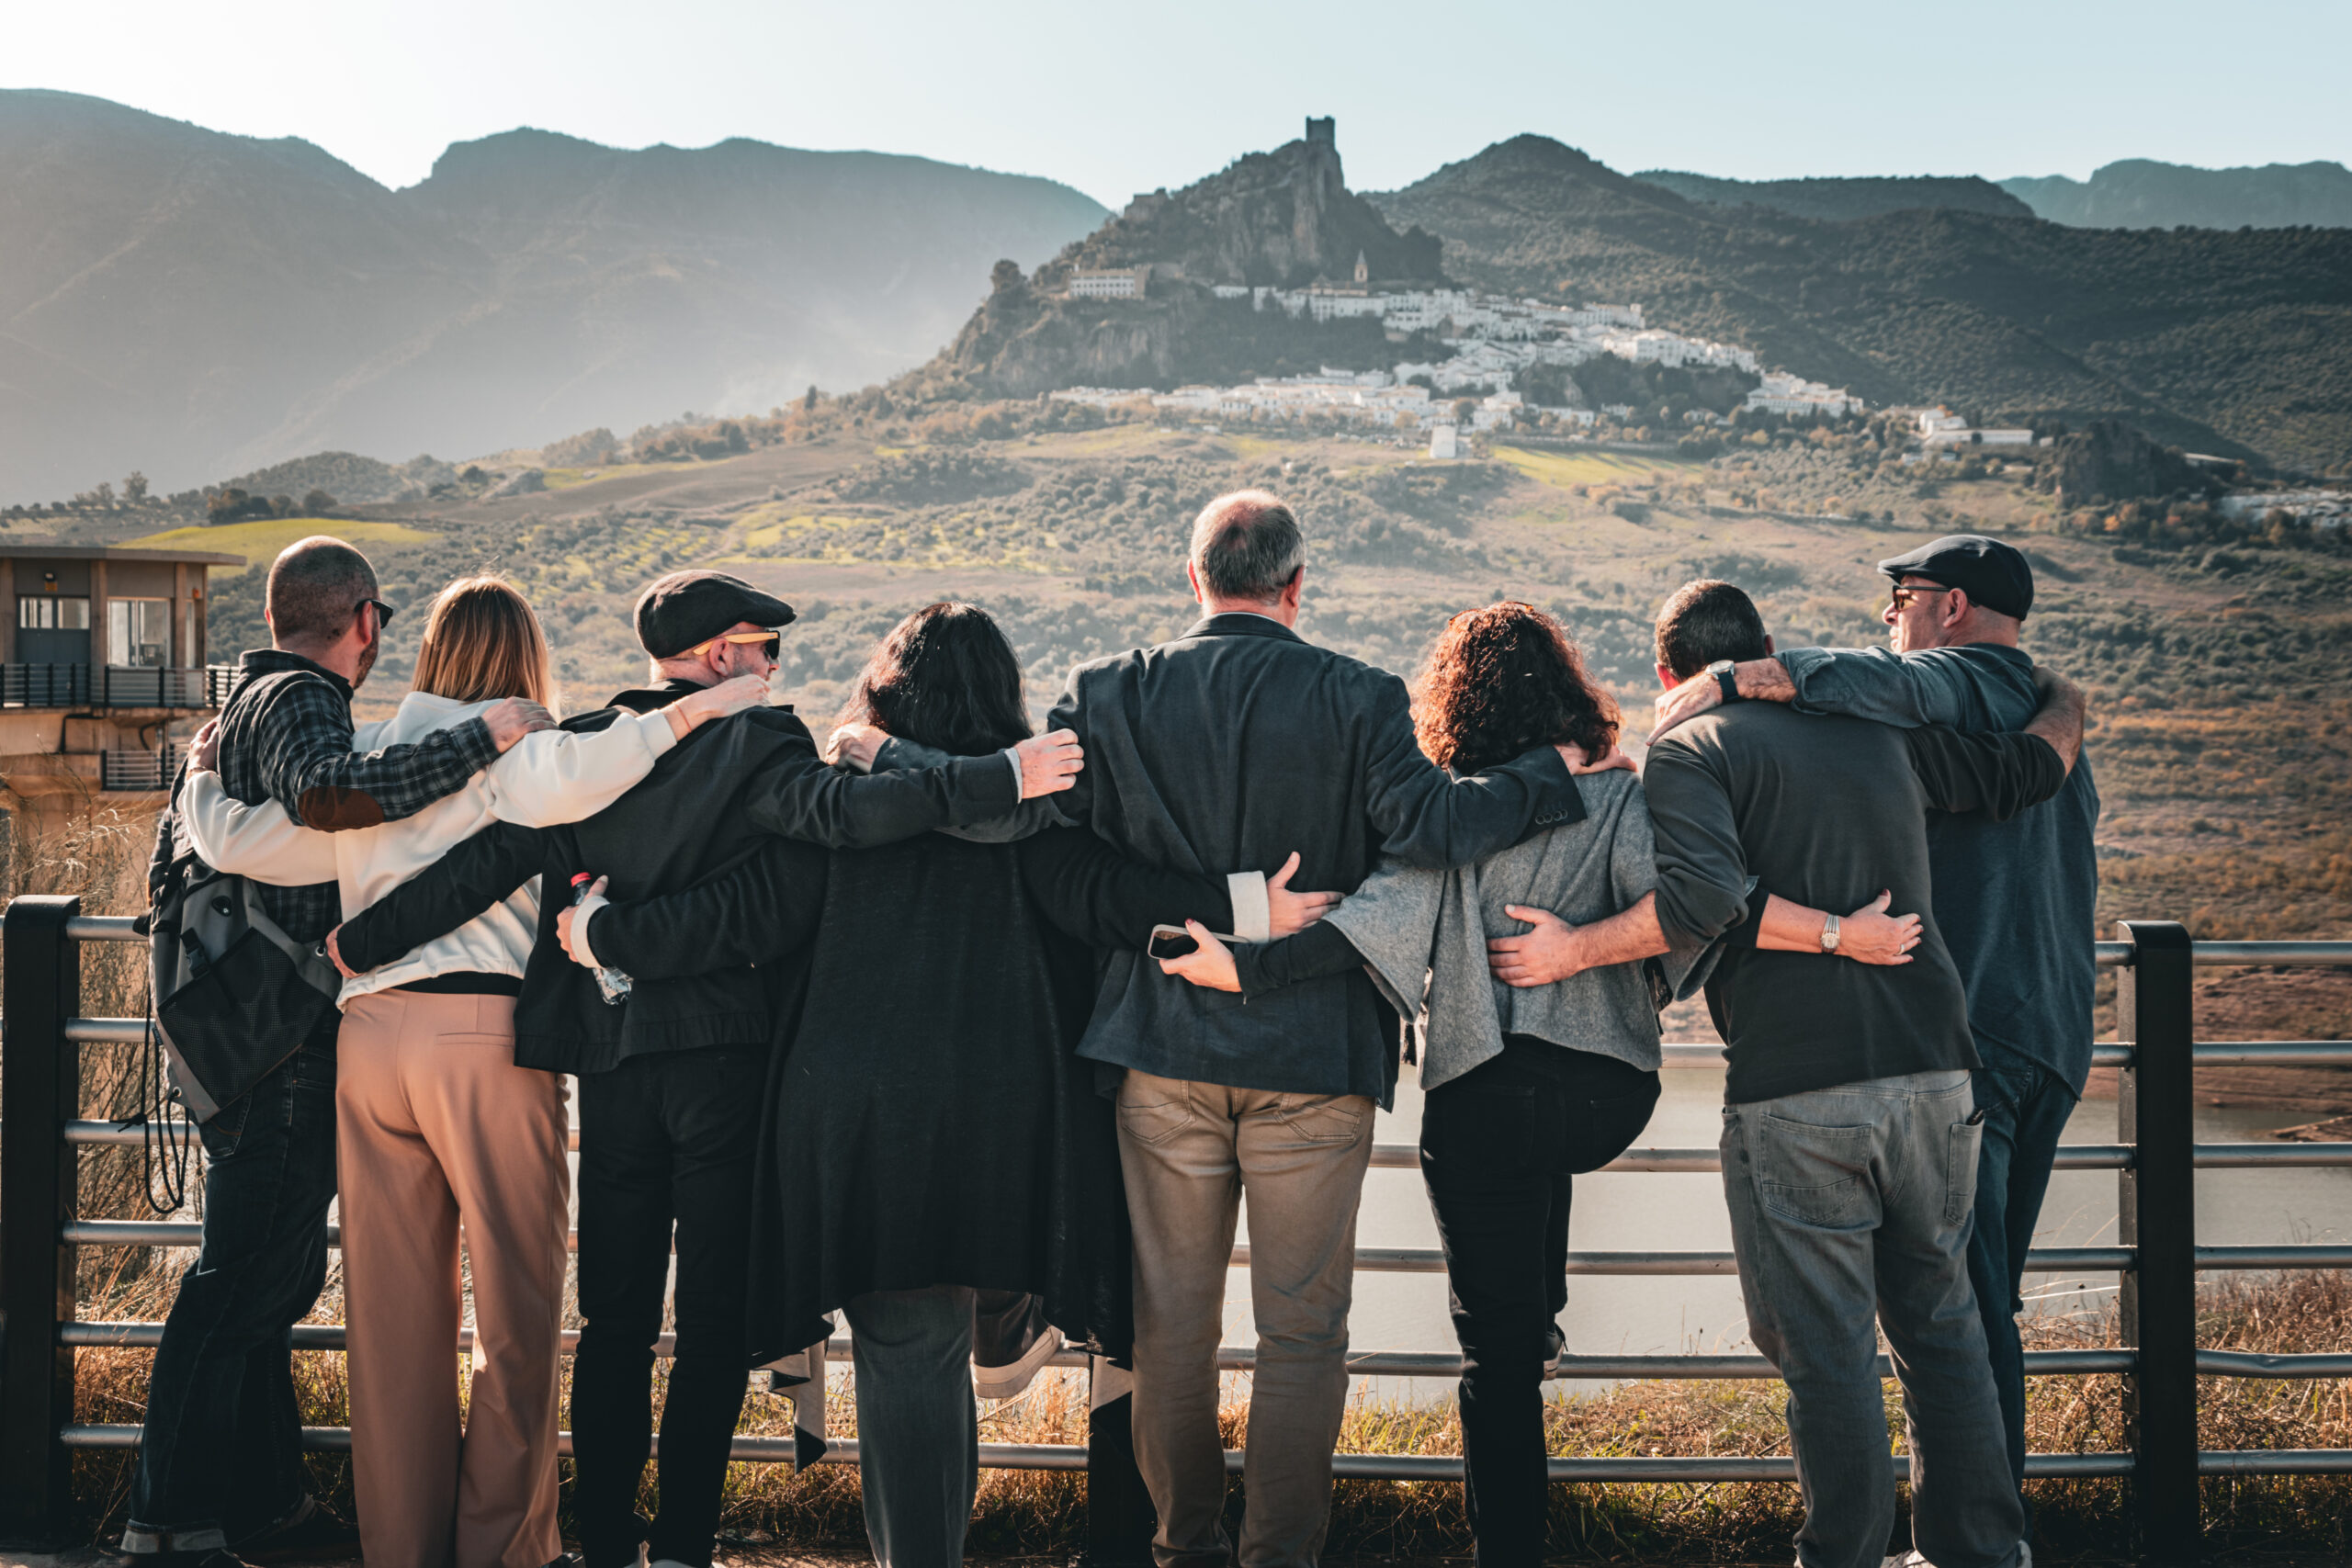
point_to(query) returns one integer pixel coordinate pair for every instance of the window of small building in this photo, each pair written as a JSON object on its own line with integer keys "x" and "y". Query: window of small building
{"x": 54, "y": 613}
{"x": 139, "y": 633}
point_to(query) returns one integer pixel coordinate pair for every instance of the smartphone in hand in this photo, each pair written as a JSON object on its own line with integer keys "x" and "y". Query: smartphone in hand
{"x": 1172, "y": 942}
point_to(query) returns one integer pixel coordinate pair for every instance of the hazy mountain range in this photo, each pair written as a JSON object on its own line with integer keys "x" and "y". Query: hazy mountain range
{"x": 2136, "y": 193}
{"x": 195, "y": 304}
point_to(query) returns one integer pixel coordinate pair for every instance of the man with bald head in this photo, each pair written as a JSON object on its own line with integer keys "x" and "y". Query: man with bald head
{"x": 219, "y": 1461}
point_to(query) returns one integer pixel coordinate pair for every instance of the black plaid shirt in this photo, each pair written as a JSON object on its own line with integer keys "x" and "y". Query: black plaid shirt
{"x": 286, "y": 736}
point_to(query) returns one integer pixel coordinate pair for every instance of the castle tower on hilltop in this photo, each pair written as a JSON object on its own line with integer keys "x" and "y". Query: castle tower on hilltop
{"x": 1364, "y": 270}
{"x": 1324, "y": 131}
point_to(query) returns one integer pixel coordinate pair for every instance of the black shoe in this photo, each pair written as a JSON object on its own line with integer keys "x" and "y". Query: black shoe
{"x": 568, "y": 1559}
{"x": 313, "y": 1530}
{"x": 212, "y": 1557}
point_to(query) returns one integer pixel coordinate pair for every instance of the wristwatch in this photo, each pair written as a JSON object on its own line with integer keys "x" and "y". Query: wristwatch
{"x": 1722, "y": 671}
{"x": 1829, "y": 934}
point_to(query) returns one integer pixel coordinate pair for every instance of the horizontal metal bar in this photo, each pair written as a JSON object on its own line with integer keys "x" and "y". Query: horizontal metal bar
{"x": 1369, "y": 1259}
{"x": 2273, "y": 1054}
{"x": 2274, "y": 1257}
{"x": 1386, "y": 1467}
{"x": 2287, "y": 954}
{"x": 2238, "y": 1156}
{"x": 2253, "y": 1364}
{"x": 102, "y": 928}
{"x": 107, "y": 1031}
{"x": 2268, "y": 1462}
{"x": 118, "y": 1334}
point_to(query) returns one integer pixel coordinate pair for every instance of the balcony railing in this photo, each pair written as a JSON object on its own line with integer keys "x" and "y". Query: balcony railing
{"x": 2155, "y": 1258}
{"x": 139, "y": 769}
{"x": 113, "y": 686}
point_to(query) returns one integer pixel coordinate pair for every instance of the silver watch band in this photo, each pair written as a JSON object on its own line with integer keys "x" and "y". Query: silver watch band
{"x": 1829, "y": 934}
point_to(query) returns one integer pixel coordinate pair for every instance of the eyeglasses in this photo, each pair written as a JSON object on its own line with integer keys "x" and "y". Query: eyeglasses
{"x": 773, "y": 643}
{"x": 1899, "y": 597}
{"x": 383, "y": 612}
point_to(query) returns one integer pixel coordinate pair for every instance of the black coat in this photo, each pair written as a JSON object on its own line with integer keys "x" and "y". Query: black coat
{"x": 928, "y": 1119}
{"x": 708, "y": 805}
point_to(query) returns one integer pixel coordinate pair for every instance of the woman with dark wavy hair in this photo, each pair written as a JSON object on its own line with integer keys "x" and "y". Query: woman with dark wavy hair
{"x": 931, "y": 1137}
{"x": 1538, "y": 1026}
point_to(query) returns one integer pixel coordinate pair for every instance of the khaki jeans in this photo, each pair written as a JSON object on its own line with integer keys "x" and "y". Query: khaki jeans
{"x": 1189, "y": 1152}
{"x": 439, "y": 1131}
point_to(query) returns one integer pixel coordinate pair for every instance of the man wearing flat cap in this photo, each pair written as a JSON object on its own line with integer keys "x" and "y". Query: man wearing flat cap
{"x": 2016, "y": 900}
{"x": 672, "y": 1084}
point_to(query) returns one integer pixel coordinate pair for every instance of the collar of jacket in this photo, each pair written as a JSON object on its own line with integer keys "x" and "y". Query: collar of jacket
{"x": 260, "y": 661}
{"x": 645, "y": 699}
{"x": 1240, "y": 622}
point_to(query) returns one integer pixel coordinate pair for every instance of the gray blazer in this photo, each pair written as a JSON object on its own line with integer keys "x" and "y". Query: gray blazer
{"x": 1423, "y": 937}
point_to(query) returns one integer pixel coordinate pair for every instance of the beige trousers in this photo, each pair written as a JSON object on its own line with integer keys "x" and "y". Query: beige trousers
{"x": 440, "y": 1132}
{"x": 1191, "y": 1151}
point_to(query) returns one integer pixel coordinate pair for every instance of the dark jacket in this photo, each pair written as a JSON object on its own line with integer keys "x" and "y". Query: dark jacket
{"x": 1826, "y": 812}
{"x": 1224, "y": 750}
{"x": 706, "y": 807}
{"x": 928, "y": 1121}
{"x": 2018, "y": 901}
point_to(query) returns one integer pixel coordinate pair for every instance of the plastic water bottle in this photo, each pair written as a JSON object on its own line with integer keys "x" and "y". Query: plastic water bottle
{"x": 611, "y": 984}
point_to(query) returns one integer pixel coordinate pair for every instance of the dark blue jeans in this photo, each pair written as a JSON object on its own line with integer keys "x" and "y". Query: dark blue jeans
{"x": 221, "y": 1457}
{"x": 2026, "y": 1106}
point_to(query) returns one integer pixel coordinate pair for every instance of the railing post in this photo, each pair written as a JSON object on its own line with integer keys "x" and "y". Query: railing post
{"x": 40, "y": 1087}
{"x": 2157, "y": 1214}
{"x": 1120, "y": 1520}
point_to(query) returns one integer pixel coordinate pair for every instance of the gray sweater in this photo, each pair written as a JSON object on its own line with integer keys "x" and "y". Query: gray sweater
{"x": 1423, "y": 936}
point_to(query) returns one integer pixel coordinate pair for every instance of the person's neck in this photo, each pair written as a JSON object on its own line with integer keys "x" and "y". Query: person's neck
{"x": 337, "y": 657}
{"x": 1978, "y": 631}
{"x": 693, "y": 674}
{"x": 1273, "y": 610}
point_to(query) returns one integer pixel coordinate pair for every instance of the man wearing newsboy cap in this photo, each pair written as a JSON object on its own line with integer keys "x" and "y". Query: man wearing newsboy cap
{"x": 671, "y": 1085}
{"x": 2016, "y": 900}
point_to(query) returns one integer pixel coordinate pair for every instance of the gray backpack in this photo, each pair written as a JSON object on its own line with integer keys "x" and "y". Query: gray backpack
{"x": 234, "y": 996}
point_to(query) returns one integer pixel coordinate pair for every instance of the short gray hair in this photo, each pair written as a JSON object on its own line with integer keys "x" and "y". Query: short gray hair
{"x": 1246, "y": 545}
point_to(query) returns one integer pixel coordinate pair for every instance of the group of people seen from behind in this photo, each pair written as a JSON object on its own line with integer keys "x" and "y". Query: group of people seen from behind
{"x": 981, "y": 1040}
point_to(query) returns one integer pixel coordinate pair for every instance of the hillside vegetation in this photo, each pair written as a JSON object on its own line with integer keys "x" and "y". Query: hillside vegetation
{"x": 1838, "y": 199}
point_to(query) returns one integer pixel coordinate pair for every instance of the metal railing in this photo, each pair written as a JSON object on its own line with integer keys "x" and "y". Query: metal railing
{"x": 139, "y": 769}
{"x": 114, "y": 686}
{"x": 2158, "y": 1260}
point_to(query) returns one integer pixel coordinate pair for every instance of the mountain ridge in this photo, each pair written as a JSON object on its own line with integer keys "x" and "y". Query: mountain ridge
{"x": 2144, "y": 193}
{"x": 196, "y": 302}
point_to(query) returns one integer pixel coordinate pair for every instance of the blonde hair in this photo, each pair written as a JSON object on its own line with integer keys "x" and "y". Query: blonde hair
{"x": 482, "y": 642}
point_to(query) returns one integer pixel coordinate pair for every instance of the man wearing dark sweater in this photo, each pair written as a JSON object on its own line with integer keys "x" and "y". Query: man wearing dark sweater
{"x": 2016, "y": 901}
{"x": 1850, "y": 1133}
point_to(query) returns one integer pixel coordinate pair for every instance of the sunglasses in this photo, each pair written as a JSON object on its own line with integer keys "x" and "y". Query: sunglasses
{"x": 1899, "y": 596}
{"x": 383, "y": 612}
{"x": 772, "y": 643}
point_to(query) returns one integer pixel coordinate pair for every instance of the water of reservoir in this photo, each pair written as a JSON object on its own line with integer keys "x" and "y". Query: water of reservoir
{"x": 1637, "y": 1211}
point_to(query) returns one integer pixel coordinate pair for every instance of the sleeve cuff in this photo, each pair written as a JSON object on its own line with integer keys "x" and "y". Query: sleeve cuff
{"x": 473, "y": 742}
{"x": 653, "y": 728}
{"x": 1253, "y": 915}
{"x": 1013, "y": 760}
{"x": 578, "y": 946}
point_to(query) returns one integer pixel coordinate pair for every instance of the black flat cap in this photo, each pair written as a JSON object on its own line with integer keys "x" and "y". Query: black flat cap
{"x": 687, "y": 608}
{"x": 1993, "y": 574}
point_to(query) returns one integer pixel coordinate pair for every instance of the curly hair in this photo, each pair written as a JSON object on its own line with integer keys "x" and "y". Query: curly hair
{"x": 1503, "y": 679}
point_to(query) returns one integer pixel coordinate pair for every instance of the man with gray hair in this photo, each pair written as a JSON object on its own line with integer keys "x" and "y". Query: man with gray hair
{"x": 1222, "y": 752}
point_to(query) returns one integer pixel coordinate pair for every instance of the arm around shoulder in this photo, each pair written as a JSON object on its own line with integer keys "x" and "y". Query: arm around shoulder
{"x": 261, "y": 842}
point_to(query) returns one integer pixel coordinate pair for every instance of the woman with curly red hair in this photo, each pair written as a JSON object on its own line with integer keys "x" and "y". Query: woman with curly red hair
{"x": 1538, "y": 1025}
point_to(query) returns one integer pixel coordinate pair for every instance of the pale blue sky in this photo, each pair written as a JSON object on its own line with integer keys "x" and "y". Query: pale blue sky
{"x": 1118, "y": 97}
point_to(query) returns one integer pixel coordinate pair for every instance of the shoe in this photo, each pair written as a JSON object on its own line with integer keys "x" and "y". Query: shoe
{"x": 312, "y": 1530}
{"x": 208, "y": 1557}
{"x": 568, "y": 1559}
{"x": 1559, "y": 1351}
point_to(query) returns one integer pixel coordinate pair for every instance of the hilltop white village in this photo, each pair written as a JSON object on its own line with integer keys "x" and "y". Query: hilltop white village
{"x": 1492, "y": 338}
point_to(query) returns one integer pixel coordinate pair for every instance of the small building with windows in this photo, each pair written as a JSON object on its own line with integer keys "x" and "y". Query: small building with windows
{"x": 104, "y": 671}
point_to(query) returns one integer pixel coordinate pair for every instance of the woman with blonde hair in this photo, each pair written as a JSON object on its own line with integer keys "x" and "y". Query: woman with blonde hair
{"x": 439, "y": 1134}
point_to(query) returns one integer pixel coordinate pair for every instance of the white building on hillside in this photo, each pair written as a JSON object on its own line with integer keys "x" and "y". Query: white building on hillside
{"x": 1784, "y": 393}
{"x": 1445, "y": 442}
{"x": 1118, "y": 283}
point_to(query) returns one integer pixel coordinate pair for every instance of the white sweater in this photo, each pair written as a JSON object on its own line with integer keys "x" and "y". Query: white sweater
{"x": 547, "y": 777}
